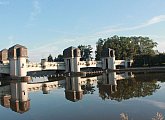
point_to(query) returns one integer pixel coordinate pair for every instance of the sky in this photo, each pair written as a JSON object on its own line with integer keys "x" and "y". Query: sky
{"x": 49, "y": 26}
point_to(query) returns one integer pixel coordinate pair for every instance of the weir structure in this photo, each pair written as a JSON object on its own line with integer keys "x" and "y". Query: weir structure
{"x": 14, "y": 61}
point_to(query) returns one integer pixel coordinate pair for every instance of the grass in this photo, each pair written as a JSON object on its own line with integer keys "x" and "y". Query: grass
{"x": 158, "y": 116}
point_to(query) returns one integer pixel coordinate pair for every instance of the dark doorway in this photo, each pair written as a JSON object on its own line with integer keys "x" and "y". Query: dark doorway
{"x": 106, "y": 61}
{"x": 69, "y": 65}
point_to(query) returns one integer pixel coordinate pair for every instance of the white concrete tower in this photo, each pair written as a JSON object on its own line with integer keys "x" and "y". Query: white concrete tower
{"x": 21, "y": 61}
{"x": 17, "y": 59}
{"x": 12, "y": 61}
{"x": 108, "y": 59}
{"x": 70, "y": 59}
{"x": 77, "y": 56}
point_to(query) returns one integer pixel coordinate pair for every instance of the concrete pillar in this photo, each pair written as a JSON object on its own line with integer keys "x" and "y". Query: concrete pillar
{"x": 43, "y": 63}
{"x": 17, "y": 60}
{"x": 21, "y": 66}
{"x": 13, "y": 67}
{"x": 126, "y": 63}
{"x": 108, "y": 59}
{"x": 71, "y": 59}
{"x": 77, "y": 56}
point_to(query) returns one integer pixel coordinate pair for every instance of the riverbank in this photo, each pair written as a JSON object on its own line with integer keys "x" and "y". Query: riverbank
{"x": 140, "y": 69}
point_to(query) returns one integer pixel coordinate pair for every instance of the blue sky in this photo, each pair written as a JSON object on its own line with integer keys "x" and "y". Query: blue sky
{"x": 49, "y": 26}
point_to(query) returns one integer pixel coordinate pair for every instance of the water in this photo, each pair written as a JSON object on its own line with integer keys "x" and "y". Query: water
{"x": 104, "y": 97}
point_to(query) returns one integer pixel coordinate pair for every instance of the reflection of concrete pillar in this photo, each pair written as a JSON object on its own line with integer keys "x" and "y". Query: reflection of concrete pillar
{"x": 45, "y": 89}
{"x": 19, "y": 101}
{"x": 14, "y": 90}
{"x": 109, "y": 82}
{"x": 73, "y": 91}
{"x": 23, "y": 92}
{"x": 5, "y": 101}
{"x": 109, "y": 78}
{"x": 19, "y": 91}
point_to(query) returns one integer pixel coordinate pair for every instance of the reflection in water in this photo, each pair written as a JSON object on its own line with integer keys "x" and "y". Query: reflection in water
{"x": 16, "y": 97}
{"x": 112, "y": 86}
{"x": 75, "y": 87}
{"x": 116, "y": 87}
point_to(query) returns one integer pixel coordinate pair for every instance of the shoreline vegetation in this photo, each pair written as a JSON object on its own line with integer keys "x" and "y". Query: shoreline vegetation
{"x": 158, "y": 116}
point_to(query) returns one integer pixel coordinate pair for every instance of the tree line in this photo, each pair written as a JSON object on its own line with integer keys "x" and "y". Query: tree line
{"x": 137, "y": 48}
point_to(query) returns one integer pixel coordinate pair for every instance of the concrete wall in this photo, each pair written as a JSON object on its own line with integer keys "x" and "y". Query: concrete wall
{"x": 33, "y": 67}
{"x": 4, "y": 68}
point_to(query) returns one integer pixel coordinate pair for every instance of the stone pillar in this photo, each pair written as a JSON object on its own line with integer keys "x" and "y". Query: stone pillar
{"x": 108, "y": 59}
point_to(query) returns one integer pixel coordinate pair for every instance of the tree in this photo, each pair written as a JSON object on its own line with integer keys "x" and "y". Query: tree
{"x": 50, "y": 58}
{"x": 86, "y": 52}
{"x": 126, "y": 47}
{"x": 60, "y": 58}
{"x": 99, "y": 48}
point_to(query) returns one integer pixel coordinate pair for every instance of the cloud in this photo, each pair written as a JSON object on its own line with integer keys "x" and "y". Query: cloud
{"x": 57, "y": 47}
{"x": 36, "y": 10}
{"x": 154, "y": 20}
{"x": 155, "y": 103}
{"x": 4, "y": 2}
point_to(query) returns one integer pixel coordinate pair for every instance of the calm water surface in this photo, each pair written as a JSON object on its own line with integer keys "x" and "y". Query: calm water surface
{"x": 103, "y": 97}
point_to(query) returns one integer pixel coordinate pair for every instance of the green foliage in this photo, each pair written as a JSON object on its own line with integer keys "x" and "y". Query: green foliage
{"x": 86, "y": 52}
{"x": 99, "y": 48}
{"x": 126, "y": 47}
{"x": 149, "y": 60}
{"x": 60, "y": 58}
{"x": 50, "y": 58}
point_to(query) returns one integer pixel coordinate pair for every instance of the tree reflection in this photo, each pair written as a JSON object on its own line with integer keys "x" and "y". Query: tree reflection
{"x": 88, "y": 88}
{"x": 127, "y": 88}
{"x": 76, "y": 87}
